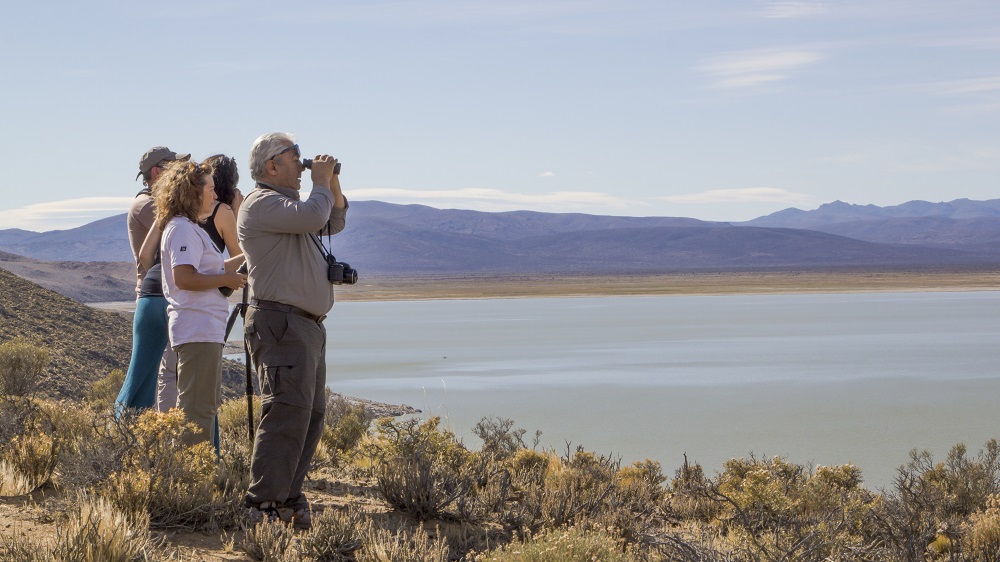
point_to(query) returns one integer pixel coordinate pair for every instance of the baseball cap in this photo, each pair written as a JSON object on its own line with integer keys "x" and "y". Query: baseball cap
{"x": 155, "y": 155}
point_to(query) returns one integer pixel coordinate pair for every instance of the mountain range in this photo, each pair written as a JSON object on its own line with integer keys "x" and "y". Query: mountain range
{"x": 385, "y": 238}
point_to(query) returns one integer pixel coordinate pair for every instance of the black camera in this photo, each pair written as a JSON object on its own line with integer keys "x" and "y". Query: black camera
{"x": 227, "y": 291}
{"x": 340, "y": 273}
{"x": 307, "y": 163}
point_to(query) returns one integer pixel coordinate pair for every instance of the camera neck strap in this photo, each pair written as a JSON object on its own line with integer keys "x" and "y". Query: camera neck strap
{"x": 321, "y": 247}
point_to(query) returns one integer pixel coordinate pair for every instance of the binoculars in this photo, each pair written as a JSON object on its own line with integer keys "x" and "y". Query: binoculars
{"x": 307, "y": 163}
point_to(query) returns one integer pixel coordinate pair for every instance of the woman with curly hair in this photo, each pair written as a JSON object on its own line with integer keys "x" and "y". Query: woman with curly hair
{"x": 193, "y": 272}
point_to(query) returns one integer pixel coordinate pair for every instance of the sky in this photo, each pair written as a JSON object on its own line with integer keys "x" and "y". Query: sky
{"x": 715, "y": 110}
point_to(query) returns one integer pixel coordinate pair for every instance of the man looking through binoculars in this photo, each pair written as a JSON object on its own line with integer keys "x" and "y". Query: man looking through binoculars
{"x": 290, "y": 296}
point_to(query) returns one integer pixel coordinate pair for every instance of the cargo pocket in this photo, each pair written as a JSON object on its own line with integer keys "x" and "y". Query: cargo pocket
{"x": 277, "y": 374}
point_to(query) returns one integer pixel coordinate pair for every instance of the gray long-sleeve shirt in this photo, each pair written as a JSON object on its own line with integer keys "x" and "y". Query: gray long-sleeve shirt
{"x": 276, "y": 231}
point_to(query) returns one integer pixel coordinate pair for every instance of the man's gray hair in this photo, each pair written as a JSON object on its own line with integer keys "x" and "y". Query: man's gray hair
{"x": 266, "y": 147}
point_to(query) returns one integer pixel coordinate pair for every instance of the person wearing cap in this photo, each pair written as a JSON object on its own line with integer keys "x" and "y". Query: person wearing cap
{"x": 152, "y": 369}
{"x": 290, "y": 297}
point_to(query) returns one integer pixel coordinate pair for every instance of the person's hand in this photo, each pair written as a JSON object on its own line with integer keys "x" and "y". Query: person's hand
{"x": 237, "y": 199}
{"x": 322, "y": 170}
{"x": 234, "y": 280}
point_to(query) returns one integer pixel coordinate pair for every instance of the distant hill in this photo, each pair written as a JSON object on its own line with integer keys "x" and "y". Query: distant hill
{"x": 962, "y": 223}
{"x": 102, "y": 240}
{"x": 85, "y": 343}
{"x": 384, "y": 238}
{"x": 81, "y": 281}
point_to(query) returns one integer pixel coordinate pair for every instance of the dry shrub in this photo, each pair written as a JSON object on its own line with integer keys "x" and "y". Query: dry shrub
{"x": 16, "y": 549}
{"x": 27, "y": 463}
{"x": 93, "y": 444}
{"x": 931, "y": 501}
{"x": 420, "y": 485}
{"x": 13, "y": 482}
{"x": 160, "y": 475}
{"x": 270, "y": 542}
{"x": 335, "y": 536}
{"x": 235, "y": 444}
{"x": 21, "y": 365}
{"x": 421, "y": 470}
{"x": 100, "y": 531}
{"x": 634, "y": 510}
{"x": 776, "y": 510}
{"x": 402, "y": 545}
{"x": 689, "y": 498}
{"x": 27, "y": 446}
{"x": 346, "y": 425}
{"x": 559, "y": 545}
{"x": 500, "y": 439}
{"x": 94, "y": 531}
{"x": 104, "y": 391}
{"x": 577, "y": 488}
{"x": 982, "y": 530}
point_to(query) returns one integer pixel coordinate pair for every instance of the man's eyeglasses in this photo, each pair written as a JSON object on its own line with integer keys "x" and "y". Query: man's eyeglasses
{"x": 294, "y": 147}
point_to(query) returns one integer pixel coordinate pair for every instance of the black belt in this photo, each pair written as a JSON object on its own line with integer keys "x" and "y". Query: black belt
{"x": 281, "y": 307}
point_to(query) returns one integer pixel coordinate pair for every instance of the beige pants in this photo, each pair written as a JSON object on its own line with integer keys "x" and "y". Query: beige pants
{"x": 199, "y": 385}
{"x": 166, "y": 382}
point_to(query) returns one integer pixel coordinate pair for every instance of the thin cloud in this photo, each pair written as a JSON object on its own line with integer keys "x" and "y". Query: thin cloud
{"x": 970, "y": 86}
{"x": 973, "y": 158}
{"x": 547, "y": 175}
{"x": 493, "y": 200}
{"x": 751, "y": 68}
{"x": 793, "y": 8}
{"x": 62, "y": 215}
{"x": 742, "y": 195}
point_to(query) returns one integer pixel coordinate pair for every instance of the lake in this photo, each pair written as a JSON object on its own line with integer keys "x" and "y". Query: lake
{"x": 818, "y": 379}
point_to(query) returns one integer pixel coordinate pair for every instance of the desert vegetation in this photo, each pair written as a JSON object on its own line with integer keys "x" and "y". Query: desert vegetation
{"x": 93, "y": 487}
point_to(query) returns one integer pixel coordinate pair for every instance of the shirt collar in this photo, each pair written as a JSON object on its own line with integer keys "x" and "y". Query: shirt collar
{"x": 287, "y": 192}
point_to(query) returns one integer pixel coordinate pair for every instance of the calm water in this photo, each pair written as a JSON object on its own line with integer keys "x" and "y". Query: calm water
{"x": 821, "y": 379}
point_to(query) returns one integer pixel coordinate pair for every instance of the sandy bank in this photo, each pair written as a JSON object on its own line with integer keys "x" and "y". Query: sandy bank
{"x": 428, "y": 287}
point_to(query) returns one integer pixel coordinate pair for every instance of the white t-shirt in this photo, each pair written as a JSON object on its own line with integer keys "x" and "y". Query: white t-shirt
{"x": 193, "y": 316}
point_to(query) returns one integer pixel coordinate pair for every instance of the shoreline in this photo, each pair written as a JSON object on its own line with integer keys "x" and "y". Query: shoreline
{"x": 378, "y": 288}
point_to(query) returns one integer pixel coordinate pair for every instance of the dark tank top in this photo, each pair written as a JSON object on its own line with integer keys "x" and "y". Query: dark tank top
{"x": 151, "y": 284}
{"x": 213, "y": 233}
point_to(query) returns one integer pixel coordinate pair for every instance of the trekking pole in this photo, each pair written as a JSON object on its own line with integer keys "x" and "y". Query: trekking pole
{"x": 246, "y": 355}
{"x": 241, "y": 309}
{"x": 246, "y": 351}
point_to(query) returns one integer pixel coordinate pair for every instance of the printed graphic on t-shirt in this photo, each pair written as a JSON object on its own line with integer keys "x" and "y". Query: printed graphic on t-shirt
{"x": 183, "y": 249}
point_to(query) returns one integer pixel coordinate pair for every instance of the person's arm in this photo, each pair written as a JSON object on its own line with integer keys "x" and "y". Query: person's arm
{"x": 187, "y": 278}
{"x": 225, "y": 223}
{"x": 151, "y": 245}
{"x": 274, "y": 212}
{"x": 338, "y": 219}
{"x": 323, "y": 176}
{"x": 234, "y": 263}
